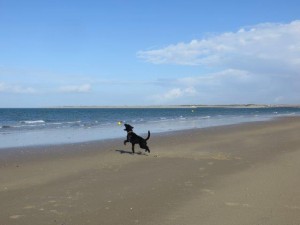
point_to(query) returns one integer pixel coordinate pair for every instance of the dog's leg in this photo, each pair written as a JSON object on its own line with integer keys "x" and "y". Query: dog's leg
{"x": 144, "y": 146}
{"x": 147, "y": 149}
{"x": 132, "y": 148}
{"x": 125, "y": 142}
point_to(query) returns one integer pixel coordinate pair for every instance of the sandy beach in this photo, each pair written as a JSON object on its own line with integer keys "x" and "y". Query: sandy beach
{"x": 238, "y": 174}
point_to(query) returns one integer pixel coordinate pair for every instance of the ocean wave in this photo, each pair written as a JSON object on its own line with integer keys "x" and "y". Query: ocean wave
{"x": 55, "y": 123}
{"x": 32, "y": 121}
{"x": 72, "y": 122}
{"x": 205, "y": 117}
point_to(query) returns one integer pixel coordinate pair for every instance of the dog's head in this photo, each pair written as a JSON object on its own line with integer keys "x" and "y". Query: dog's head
{"x": 128, "y": 127}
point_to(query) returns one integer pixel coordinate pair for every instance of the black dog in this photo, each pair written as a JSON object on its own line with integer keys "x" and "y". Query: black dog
{"x": 135, "y": 139}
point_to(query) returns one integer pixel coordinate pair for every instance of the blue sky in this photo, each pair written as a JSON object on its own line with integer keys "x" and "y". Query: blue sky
{"x": 58, "y": 53}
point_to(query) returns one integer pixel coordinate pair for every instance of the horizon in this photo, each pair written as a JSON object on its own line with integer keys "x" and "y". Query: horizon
{"x": 140, "y": 53}
{"x": 161, "y": 106}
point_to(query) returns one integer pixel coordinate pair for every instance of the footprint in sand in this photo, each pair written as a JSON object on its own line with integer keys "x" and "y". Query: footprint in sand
{"x": 236, "y": 204}
{"x": 29, "y": 207}
{"x": 292, "y": 207}
{"x": 188, "y": 184}
{"x": 16, "y": 216}
{"x": 54, "y": 211}
{"x": 211, "y": 192}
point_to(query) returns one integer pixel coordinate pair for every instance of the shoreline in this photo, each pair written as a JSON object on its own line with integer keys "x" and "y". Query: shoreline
{"x": 44, "y": 127}
{"x": 90, "y": 135}
{"x": 113, "y": 139}
{"x": 186, "y": 131}
{"x": 234, "y": 174}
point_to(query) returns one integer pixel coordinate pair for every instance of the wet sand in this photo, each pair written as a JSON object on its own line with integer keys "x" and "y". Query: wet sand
{"x": 239, "y": 174}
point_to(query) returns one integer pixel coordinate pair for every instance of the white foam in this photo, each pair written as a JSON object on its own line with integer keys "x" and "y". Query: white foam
{"x": 33, "y": 121}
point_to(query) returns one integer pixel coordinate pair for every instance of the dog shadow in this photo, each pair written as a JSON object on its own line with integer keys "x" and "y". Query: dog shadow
{"x": 130, "y": 152}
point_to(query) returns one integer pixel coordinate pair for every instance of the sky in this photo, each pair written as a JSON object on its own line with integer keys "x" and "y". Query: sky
{"x": 138, "y": 52}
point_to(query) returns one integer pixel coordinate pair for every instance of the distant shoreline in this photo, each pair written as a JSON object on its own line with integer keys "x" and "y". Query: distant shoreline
{"x": 181, "y": 106}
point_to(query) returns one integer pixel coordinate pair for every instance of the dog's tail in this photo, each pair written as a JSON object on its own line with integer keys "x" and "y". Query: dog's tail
{"x": 148, "y": 135}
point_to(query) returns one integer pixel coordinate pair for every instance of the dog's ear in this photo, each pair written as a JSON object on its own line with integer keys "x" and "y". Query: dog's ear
{"x": 128, "y": 126}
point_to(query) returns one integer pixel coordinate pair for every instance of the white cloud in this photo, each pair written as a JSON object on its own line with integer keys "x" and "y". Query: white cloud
{"x": 75, "y": 88}
{"x": 218, "y": 78}
{"x": 260, "y": 47}
{"x": 259, "y": 64}
{"x": 175, "y": 93}
{"x": 16, "y": 89}
{"x": 229, "y": 86}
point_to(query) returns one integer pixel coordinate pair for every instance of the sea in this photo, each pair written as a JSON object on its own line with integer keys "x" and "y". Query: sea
{"x": 51, "y": 126}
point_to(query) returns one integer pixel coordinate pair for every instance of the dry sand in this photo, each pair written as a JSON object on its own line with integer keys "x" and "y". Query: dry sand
{"x": 241, "y": 174}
